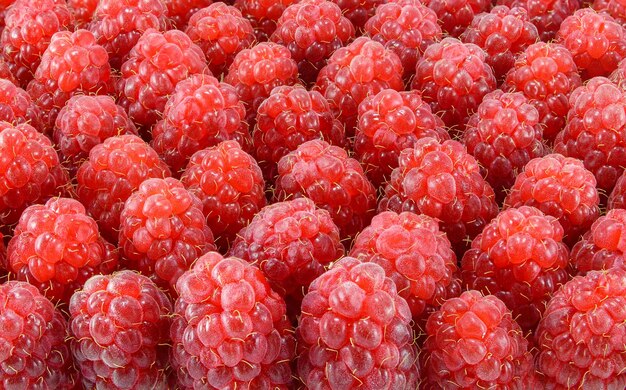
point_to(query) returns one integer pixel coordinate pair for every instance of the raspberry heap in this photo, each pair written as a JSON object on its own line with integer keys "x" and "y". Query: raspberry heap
{"x": 456, "y": 16}
{"x": 16, "y": 106}
{"x": 263, "y": 14}
{"x": 119, "y": 327}
{"x": 180, "y": 11}
{"x": 546, "y": 15}
{"x": 355, "y": 330}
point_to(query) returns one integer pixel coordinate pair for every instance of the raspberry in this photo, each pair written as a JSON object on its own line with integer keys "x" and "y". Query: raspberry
{"x": 595, "y": 130}
{"x": 580, "y": 336}
{"x": 407, "y": 27}
{"x": 84, "y": 122}
{"x": 263, "y": 14}
{"x": 312, "y": 30}
{"x": 57, "y": 247}
{"x": 114, "y": 170}
{"x": 221, "y": 32}
{"x": 73, "y": 63}
{"x": 546, "y": 15}
{"x": 230, "y": 328}
{"x": 119, "y": 325}
{"x": 362, "y": 68}
{"x": 453, "y": 78}
{"x": 415, "y": 254}
{"x": 443, "y": 181}
{"x": 30, "y": 171}
{"x": 356, "y": 330}
{"x": 503, "y": 135}
{"x": 5, "y": 71}
{"x": 615, "y": 8}
{"x": 358, "y": 11}
{"x": 230, "y": 185}
{"x": 331, "y": 179}
{"x": 561, "y": 187}
{"x": 201, "y": 112}
{"x": 163, "y": 230}
{"x": 503, "y": 33}
{"x": 29, "y": 26}
{"x": 180, "y": 11}
{"x": 16, "y": 106}
{"x": 256, "y": 71}
{"x": 33, "y": 353}
{"x": 456, "y": 16}
{"x": 473, "y": 342}
{"x": 597, "y": 42}
{"x": 289, "y": 117}
{"x": 118, "y": 25}
{"x": 546, "y": 74}
{"x": 82, "y": 11}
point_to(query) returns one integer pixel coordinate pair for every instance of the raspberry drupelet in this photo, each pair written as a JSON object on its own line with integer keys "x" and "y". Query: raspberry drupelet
{"x": 358, "y": 11}
{"x": 355, "y": 330}
{"x": 180, "y": 11}
{"x": 119, "y": 327}
{"x": 456, "y": 16}
{"x": 546, "y": 15}
{"x": 16, "y": 106}
{"x": 230, "y": 329}
{"x": 263, "y": 14}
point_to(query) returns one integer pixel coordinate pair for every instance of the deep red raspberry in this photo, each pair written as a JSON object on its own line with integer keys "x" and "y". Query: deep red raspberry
{"x": 312, "y": 30}
{"x": 453, "y": 77}
{"x": 362, "y": 68}
{"x": 180, "y": 11}
{"x": 30, "y": 171}
{"x": 199, "y": 113}
{"x": 230, "y": 185}
{"x": 456, "y": 16}
{"x": 230, "y": 328}
{"x": 114, "y": 170}
{"x": 546, "y": 15}
{"x": 163, "y": 230}
{"x": 84, "y": 122}
{"x": 29, "y": 26}
{"x": 331, "y": 179}
{"x": 474, "y": 342}
{"x": 256, "y": 71}
{"x": 595, "y": 131}
{"x": 16, "y": 105}
{"x": 82, "y": 11}
{"x": 580, "y": 336}
{"x": 118, "y": 25}
{"x": 355, "y": 330}
{"x": 407, "y": 27}
{"x": 561, "y": 187}
{"x": 289, "y": 117}
{"x": 358, "y": 11}
{"x": 615, "y": 8}
{"x": 57, "y": 247}
{"x": 444, "y": 182}
{"x": 72, "y": 64}
{"x": 503, "y": 135}
{"x": 33, "y": 352}
{"x": 119, "y": 326}
{"x": 546, "y": 74}
{"x": 263, "y": 14}
{"x": 416, "y": 255}
{"x": 502, "y": 33}
{"x": 221, "y": 31}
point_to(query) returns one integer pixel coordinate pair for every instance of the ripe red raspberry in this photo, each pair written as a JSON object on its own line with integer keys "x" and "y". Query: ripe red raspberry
{"x": 16, "y": 106}
{"x": 453, "y": 77}
{"x": 29, "y": 26}
{"x": 546, "y": 15}
{"x": 358, "y": 11}
{"x": 502, "y": 33}
{"x": 263, "y": 14}
{"x": 180, "y": 11}
{"x": 561, "y": 187}
{"x": 221, "y": 32}
{"x": 416, "y": 255}
{"x": 390, "y": 122}
{"x": 119, "y": 326}
{"x": 230, "y": 185}
{"x": 163, "y": 230}
{"x": 362, "y": 68}
{"x": 30, "y": 171}
{"x": 456, "y": 16}
{"x": 256, "y": 71}
{"x": 331, "y": 179}
{"x": 355, "y": 330}
{"x": 289, "y": 117}
{"x": 474, "y": 342}
{"x": 615, "y": 8}
{"x": 546, "y": 74}
{"x": 73, "y": 63}
{"x": 580, "y": 336}
{"x": 114, "y": 170}
{"x": 444, "y": 182}
{"x": 407, "y": 27}
{"x": 596, "y": 130}
{"x": 33, "y": 352}
{"x": 230, "y": 328}
{"x": 84, "y": 122}
{"x": 57, "y": 247}
{"x": 503, "y": 135}
{"x": 312, "y": 30}
{"x": 118, "y": 25}
{"x": 82, "y": 11}
{"x": 199, "y": 113}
